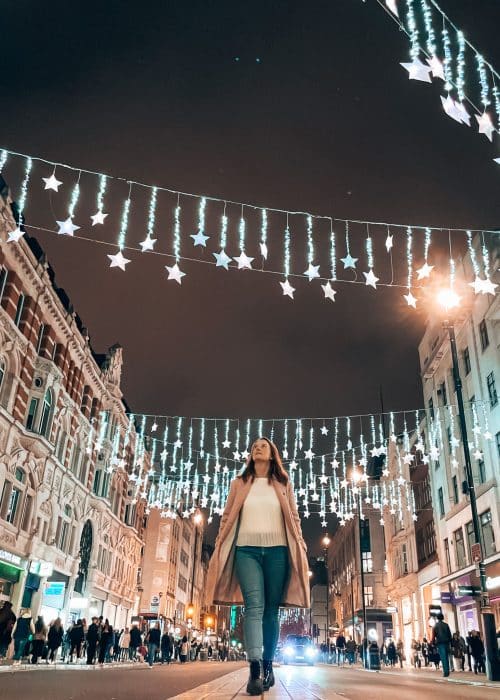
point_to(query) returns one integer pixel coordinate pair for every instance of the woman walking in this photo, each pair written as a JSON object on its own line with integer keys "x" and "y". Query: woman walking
{"x": 260, "y": 557}
{"x": 55, "y": 637}
{"x": 38, "y": 639}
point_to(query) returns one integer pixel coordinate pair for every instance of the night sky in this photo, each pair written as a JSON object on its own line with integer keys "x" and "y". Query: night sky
{"x": 315, "y": 115}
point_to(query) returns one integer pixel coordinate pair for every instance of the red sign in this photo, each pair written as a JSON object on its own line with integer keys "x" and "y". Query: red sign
{"x": 475, "y": 552}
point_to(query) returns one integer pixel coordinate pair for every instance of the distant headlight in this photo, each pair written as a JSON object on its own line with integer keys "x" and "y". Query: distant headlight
{"x": 310, "y": 652}
{"x": 289, "y": 651}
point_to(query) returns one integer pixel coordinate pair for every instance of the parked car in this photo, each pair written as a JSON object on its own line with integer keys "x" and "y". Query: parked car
{"x": 299, "y": 649}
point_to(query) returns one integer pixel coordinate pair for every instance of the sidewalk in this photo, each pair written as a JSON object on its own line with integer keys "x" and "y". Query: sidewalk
{"x": 462, "y": 677}
{"x": 10, "y": 667}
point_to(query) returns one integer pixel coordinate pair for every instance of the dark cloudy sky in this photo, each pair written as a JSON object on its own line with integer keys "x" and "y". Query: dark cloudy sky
{"x": 316, "y": 115}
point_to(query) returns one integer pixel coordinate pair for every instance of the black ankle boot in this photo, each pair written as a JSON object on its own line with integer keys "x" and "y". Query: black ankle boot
{"x": 268, "y": 680}
{"x": 254, "y": 685}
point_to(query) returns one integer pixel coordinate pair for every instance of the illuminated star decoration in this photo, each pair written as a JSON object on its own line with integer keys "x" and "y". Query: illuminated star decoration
{"x": 52, "y": 183}
{"x": 222, "y": 259}
{"x": 312, "y": 272}
{"x": 226, "y": 444}
{"x": 67, "y": 228}
{"x": 497, "y": 160}
{"x": 370, "y": 279}
{"x": 477, "y": 285}
{"x": 287, "y": 288}
{"x": 329, "y": 291}
{"x": 15, "y": 235}
{"x": 324, "y": 430}
{"x": 263, "y": 250}
{"x": 118, "y": 260}
{"x": 410, "y": 299}
{"x": 451, "y": 108}
{"x": 391, "y": 4}
{"x": 418, "y": 71}
{"x": 388, "y": 242}
{"x": 485, "y": 125}
{"x": 174, "y": 273}
{"x": 244, "y": 262}
{"x": 424, "y": 271}
{"x": 98, "y": 217}
{"x": 488, "y": 286}
{"x": 200, "y": 239}
{"x": 349, "y": 261}
{"x": 148, "y": 243}
{"x": 437, "y": 68}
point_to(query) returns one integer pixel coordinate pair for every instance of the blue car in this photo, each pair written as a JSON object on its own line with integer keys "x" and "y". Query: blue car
{"x": 299, "y": 649}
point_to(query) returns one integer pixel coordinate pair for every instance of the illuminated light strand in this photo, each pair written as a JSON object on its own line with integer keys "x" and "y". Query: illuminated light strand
{"x": 263, "y": 234}
{"x": 472, "y": 254}
{"x": 223, "y": 229}
{"x": 124, "y": 221}
{"x": 216, "y": 443}
{"x": 452, "y": 273}
{"x": 272, "y": 432}
{"x": 260, "y": 431}
{"x": 333, "y": 254}
{"x": 226, "y": 432}
{"x": 103, "y": 181}
{"x": 429, "y": 28}
{"x": 242, "y": 231}
{"x": 486, "y": 259}
{"x": 177, "y": 232}
{"x": 152, "y": 213}
{"x": 412, "y": 30}
{"x": 24, "y": 189}
{"x": 3, "y": 159}
{"x": 483, "y": 79}
{"x": 285, "y": 440}
{"x": 461, "y": 66}
{"x": 496, "y": 97}
{"x": 448, "y": 72}
{"x": 409, "y": 254}
{"x": 247, "y": 434}
{"x": 427, "y": 243}
{"x": 310, "y": 242}
{"x": 202, "y": 437}
{"x": 287, "y": 251}
{"x": 75, "y": 196}
{"x": 453, "y": 448}
{"x": 369, "y": 250}
{"x": 201, "y": 215}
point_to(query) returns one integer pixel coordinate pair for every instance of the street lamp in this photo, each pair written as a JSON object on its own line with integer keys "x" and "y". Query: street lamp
{"x": 356, "y": 478}
{"x": 197, "y": 519}
{"x": 326, "y": 543}
{"x": 310, "y": 573}
{"x": 450, "y": 301}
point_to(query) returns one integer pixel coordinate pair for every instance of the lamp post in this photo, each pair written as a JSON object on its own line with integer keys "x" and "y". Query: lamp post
{"x": 197, "y": 519}
{"x": 356, "y": 478}
{"x": 449, "y": 301}
{"x": 326, "y": 543}
{"x": 310, "y": 573}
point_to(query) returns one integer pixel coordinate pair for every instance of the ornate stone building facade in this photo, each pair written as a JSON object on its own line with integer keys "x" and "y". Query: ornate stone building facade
{"x": 71, "y": 518}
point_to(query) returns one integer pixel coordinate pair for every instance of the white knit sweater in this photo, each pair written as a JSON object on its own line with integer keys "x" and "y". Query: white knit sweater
{"x": 261, "y": 518}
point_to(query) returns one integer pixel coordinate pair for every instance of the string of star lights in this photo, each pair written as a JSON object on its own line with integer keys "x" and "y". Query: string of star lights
{"x": 459, "y": 53}
{"x": 3, "y": 159}
{"x": 15, "y": 235}
{"x": 410, "y": 299}
{"x": 318, "y": 234}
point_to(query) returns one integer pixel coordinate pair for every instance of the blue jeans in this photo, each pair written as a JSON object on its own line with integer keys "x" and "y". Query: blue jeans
{"x": 19, "y": 646}
{"x": 152, "y": 652}
{"x": 444, "y": 650}
{"x": 262, "y": 573}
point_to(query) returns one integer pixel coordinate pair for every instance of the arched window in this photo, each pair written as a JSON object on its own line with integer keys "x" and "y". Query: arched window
{"x": 46, "y": 414}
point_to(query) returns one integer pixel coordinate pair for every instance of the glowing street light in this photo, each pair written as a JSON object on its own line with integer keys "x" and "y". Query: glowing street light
{"x": 448, "y": 299}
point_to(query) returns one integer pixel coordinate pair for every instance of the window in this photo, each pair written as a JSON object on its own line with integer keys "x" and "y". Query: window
{"x": 469, "y": 531}
{"x": 40, "y": 338}
{"x": 63, "y": 536}
{"x": 447, "y": 555}
{"x": 454, "y": 483}
{"x": 182, "y": 583}
{"x": 61, "y": 447}
{"x": 404, "y": 559}
{"x": 46, "y": 411}
{"x": 431, "y": 408}
{"x": 367, "y": 562}
{"x": 19, "y": 310}
{"x": 75, "y": 459}
{"x": 9, "y": 502}
{"x": 365, "y": 536}
{"x": 448, "y": 435}
{"x": 3, "y": 281}
{"x": 466, "y": 359}
{"x": 482, "y": 471}
{"x": 26, "y": 518}
{"x": 488, "y": 533}
{"x": 442, "y": 390}
{"x": 498, "y": 442}
{"x": 184, "y": 558}
{"x": 483, "y": 334}
{"x": 492, "y": 390}
{"x": 460, "y": 548}
{"x": 368, "y": 596}
{"x": 32, "y": 411}
{"x": 97, "y": 482}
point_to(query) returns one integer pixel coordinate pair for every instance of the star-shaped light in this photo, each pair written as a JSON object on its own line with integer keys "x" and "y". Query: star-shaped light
{"x": 315, "y": 497}
{"x": 323, "y": 479}
{"x": 312, "y": 272}
{"x": 329, "y": 291}
{"x": 293, "y": 464}
{"x": 487, "y": 435}
{"x": 236, "y": 456}
{"x": 285, "y": 453}
{"x": 222, "y": 259}
{"x": 349, "y": 261}
{"x": 154, "y": 427}
{"x": 178, "y": 443}
{"x": 118, "y": 260}
{"x": 309, "y": 454}
{"x": 451, "y": 108}
{"x": 418, "y": 71}
{"x": 287, "y": 288}
{"x": 488, "y": 287}
{"x": 226, "y": 444}
{"x": 497, "y": 160}
{"x": 408, "y": 458}
{"x": 436, "y": 66}
{"x": 464, "y": 114}
{"x": 200, "y": 239}
{"x": 244, "y": 262}
{"x": 263, "y": 250}
{"x": 434, "y": 453}
{"x": 52, "y": 183}
{"x": 454, "y": 463}
{"x": 477, "y": 285}
{"x": 174, "y": 273}
{"x": 98, "y": 217}
{"x": 245, "y": 454}
{"x": 420, "y": 447}
{"x": 485, "y": 125}
{"x": 410, "y": 299}
{"x": 370, "y": 279}
{"x": 147, "y": 244}
{"x": 424, "y": 271}
{"x": 392, "y": 5}
{"x": 67, "y": 228}
{"x": 324, "y": 430}
{"x": 15, "y": 235}
{"x": 478, "y": 454}
{"x": 454, "y": 442}
{"x": 388, "y": 242}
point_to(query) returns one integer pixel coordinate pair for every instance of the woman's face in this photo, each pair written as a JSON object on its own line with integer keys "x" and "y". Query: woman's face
{"x": 261, "y": 450}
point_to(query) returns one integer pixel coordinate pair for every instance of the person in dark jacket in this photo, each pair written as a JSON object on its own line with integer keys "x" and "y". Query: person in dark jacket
{"x": 54, "y": 638}
{"x": 441, "y": 636}
{"x": 7, "y": 621}
{"x": 153, "y": 639}
{"x": 92, "y": 640}
{"x": 104, "y": 641}
{"x": 392, "y": 653}
{"x": 76, "y": 637}
{"x": 135, "y": 640}
{"x": 477, "y": 651}
{"x": 21, "y": 633}
{"x": 167, "y": 647}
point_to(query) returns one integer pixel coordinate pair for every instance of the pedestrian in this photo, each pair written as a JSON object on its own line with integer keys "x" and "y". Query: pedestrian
{"x": 458, "y": 651}
{"x": 425, "y": 651}
{"x": 105, "y": 639}
{"x": 76, "y": 637}
{"x": 340, "y": 644}
{"x": 135, "y": 641}
{"x": 7, "y": 622}
{"x": 21, "y": 633}
{"x": 416, "y": 649}
{"x": 166, "y": 647}
{"x": 401, "y": 652}
{"x": 350, "y": 648}
{"x": 260, "y": 531}
{"x": 39, "y": 639}
{"x": 184, "y": 650}
{"x": 477, "y": 651}
{"x": 468, "y": 650}
{"x": 441, "y": 636}
{"x": 92, "y": 640}
{"x": 153, "y": 639}
{"x": 54, "y": 638}
{"x": 392, "y": 653}
{"x": 125, "y": 644}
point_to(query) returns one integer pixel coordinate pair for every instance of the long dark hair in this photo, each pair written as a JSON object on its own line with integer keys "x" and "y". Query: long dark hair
{"x": 276, "y": 468}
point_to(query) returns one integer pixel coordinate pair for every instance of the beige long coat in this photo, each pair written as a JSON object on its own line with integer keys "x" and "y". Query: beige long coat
{"x": 222, "y": 587}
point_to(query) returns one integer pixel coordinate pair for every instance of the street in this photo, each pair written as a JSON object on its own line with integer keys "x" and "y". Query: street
{"x": 216, "y": 681}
